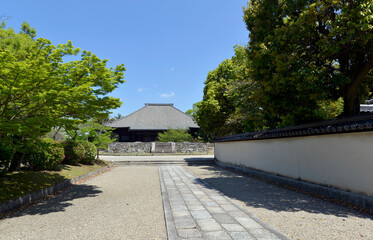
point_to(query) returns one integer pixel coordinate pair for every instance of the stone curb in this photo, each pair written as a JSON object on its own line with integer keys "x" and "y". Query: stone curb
{"x": 185, "y": 163}
{"x": 34, "y": 196}
{"x": 324, "y": 191}
{"x": 170, "y": 223}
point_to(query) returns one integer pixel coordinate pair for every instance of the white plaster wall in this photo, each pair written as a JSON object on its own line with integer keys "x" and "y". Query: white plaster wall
{"x": 343, "y": 161}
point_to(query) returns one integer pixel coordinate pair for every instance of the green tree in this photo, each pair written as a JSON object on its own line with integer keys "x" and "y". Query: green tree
{"x": 117, "y": 117}
{"x": 93, "y": 131}
{"x": 201, "y": 135}
{"x": 303, "y": 53}
{"x": 57, "y": 133}
{"x": 38, "y": 90}
{"x": 221, "y": 109}
{"x": 192, "y": 112}
{"x": 175, "y": 135}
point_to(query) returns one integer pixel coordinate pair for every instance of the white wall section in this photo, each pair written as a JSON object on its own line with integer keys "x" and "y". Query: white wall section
{"x": 342, "y": 161}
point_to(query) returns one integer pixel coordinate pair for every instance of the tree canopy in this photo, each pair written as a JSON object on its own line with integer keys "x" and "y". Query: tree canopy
{"x": 38, "y": 90}
{"x": 305, "y": 61}
{"x": 94, "y": 131}
{"x": 305, "y": 52}
{"x": 225, "y": 97}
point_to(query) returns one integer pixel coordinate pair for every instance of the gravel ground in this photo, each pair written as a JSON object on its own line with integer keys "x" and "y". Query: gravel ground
{"x": 294, "y": 214}
{"x": 124, "y": 203}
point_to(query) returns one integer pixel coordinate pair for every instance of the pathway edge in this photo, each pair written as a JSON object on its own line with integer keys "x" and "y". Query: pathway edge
{"x": 169, "y": 220}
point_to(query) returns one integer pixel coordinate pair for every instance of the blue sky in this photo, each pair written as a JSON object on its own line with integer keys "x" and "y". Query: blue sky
{"x": 168, "y": 47}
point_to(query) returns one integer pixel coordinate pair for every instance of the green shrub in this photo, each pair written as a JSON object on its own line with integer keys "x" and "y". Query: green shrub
{"x": 43, "y": 154}
{"x": 74, "y": 152}
{"x": 90, "y": 152}
{"x": 6, "y": 153}
{"x": 175, "y": 135}
{"x": 56, "y": 154}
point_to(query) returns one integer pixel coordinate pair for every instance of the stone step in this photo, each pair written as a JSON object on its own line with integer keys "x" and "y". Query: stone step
{"x": 166, "y": 162}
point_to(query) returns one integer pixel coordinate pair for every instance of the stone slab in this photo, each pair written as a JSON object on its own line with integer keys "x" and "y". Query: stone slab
{"x": 206, "y": 213}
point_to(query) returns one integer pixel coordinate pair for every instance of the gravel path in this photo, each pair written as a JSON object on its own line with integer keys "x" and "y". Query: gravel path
{"x": 295, "y": 215}
{"x": 125, "y": 203}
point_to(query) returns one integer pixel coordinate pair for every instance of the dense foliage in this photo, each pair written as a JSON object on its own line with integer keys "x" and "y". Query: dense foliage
{"x": 221, "y": 111}
{"x": 305, "y": 52}
{"x": 90, "y": 152}
{"x": 43, "y": 154}
{"x": 175, "y": 135}
{"x": 305, "y": 61}
{"x": 38, "y": 90}
{"x": 94, "y": 131}
{"x": 74, "y": 152}
{"x": 6, "y": 154}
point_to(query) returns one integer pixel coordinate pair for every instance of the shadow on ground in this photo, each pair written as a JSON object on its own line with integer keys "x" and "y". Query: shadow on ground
{"x": 192, "y": 161}
{"x": 60, "y": 202}
{"x": 17, "y": 184}
{"x": 259, "y": 194}
{"x": 198, "y": 158}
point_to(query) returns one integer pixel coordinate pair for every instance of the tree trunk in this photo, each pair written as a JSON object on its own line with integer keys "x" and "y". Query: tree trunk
{"x": 18, "y": 156}
{"x": 98, "y": 154}
{"x": 15, "y": 164}
{"x": 351, "y": 106}
{"x": 55, "y": 134}
{"x": 350, "y": 91}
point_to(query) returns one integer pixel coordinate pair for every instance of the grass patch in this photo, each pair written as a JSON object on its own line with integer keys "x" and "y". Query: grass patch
{"x": 17, "y": 184}
{"x": 70, "y": 172}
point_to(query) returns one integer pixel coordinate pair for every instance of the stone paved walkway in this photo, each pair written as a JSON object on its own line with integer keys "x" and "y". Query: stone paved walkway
{"x": 195, "y": 210}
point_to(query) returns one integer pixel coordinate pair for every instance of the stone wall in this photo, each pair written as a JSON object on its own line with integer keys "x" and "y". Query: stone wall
{"x": 146, "y": 147}
{"x": 192, "y": 147}
{"x": 130, "y": 147}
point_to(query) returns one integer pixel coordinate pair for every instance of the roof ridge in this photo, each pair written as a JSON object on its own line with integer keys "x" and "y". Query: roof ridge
{"x": 159, "y": 104}
{"x": 147, "y": 104}
{"x": 128, "y": 115}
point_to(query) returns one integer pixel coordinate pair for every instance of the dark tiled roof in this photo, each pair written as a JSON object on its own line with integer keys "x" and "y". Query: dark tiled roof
{"x": 155, "y": 117}
{"x": 366, "y": 108}
{"x": 345, "y": 125}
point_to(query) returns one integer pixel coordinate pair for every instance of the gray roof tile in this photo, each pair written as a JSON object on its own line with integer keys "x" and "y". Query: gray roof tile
{"x": 366, "y": 108}
{"x": 343, "y": 125}
{"x": 155, "y": 117}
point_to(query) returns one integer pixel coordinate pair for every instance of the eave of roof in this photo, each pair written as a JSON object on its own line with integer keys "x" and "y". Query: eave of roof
{"x": 366, "y": 107}
{"x": 345, "y": 125}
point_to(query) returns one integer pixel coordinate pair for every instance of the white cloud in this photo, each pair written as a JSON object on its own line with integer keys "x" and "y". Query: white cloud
{"x": 167, "y": 95}
{"x": 142, "y": 89}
